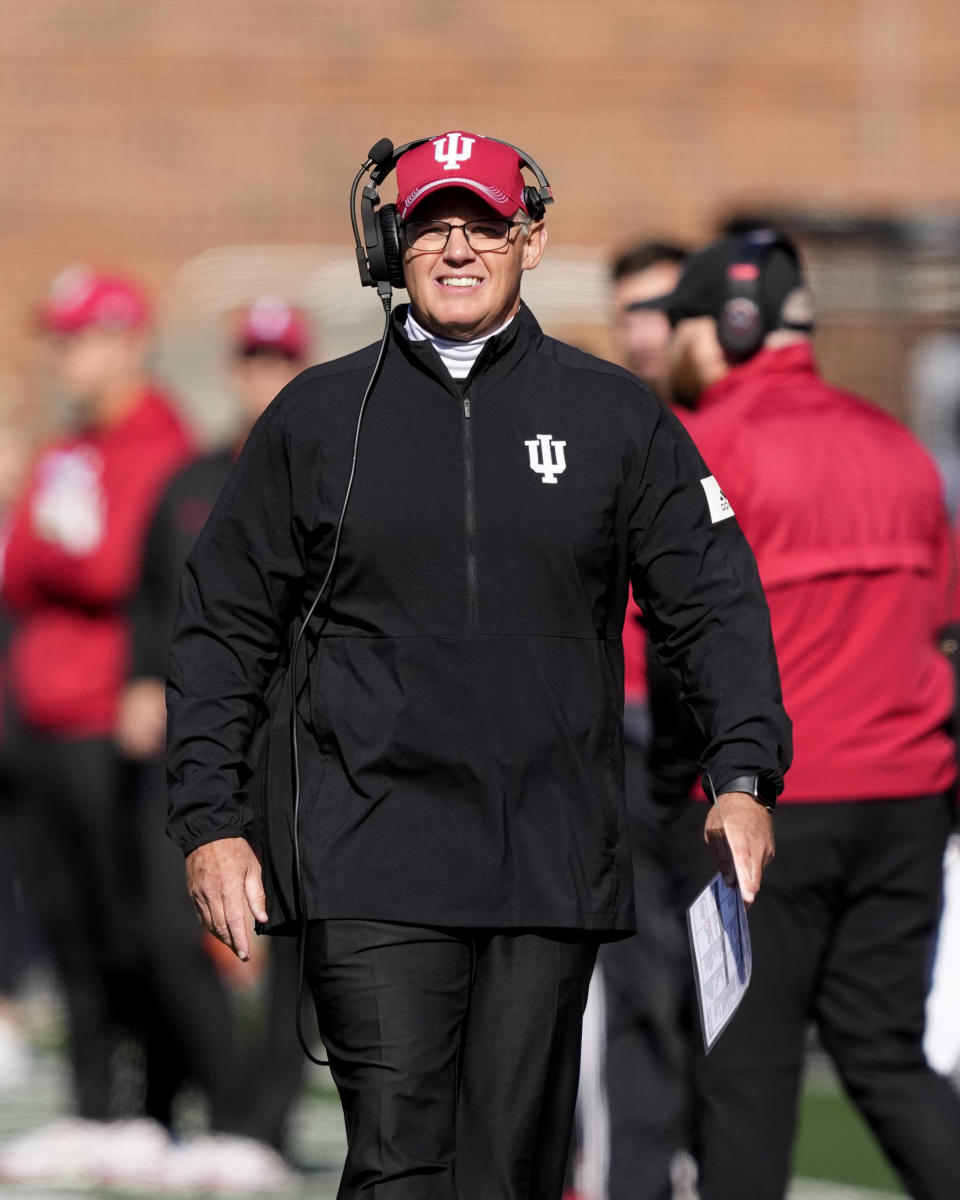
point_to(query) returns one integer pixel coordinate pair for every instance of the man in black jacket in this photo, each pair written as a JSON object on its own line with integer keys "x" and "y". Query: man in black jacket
{"x": 459, "y": 837}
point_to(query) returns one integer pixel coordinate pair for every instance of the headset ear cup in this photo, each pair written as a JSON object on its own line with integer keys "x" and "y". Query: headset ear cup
{"x": 740, "y": 328}
{"x": 392, "y": 246}
{"x": 533, "y": 203}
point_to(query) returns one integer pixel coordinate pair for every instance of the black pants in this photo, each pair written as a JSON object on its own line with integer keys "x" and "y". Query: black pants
{"x": 842, "y": 934}
{"x": 79, "y": 877}
{"x": 644, "y": 978}
{"x": 16, "y": 947}
{"x": 200, "y": 1026}
{"x": 456, "y": 1054}
{"x": 106, "y": 887}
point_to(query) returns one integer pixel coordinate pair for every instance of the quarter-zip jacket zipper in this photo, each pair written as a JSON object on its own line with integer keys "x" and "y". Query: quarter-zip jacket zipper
{"x": 470, "y": 518}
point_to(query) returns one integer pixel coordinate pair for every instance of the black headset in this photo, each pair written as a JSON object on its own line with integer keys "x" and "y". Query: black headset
{"x": 742, "y": 324}
{"x": 380, "y": 252}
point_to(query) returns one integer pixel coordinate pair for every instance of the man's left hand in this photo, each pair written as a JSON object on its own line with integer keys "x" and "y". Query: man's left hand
{"x": 141, "y": 728}
{"x": 739, "y": 833}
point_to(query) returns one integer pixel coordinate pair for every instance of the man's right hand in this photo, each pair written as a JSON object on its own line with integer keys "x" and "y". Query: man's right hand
{"x": 224, "y": 880}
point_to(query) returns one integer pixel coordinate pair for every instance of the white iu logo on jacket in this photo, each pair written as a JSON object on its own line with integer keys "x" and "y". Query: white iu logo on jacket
{"x": 546, "y": 457}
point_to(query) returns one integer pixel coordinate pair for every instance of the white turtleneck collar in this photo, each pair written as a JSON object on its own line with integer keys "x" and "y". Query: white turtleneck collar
{"x": 457, "y": 357}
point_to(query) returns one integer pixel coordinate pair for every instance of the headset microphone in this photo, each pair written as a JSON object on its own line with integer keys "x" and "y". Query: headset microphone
{"x": 381, "y": 151}
{"x": 370, "y": 251}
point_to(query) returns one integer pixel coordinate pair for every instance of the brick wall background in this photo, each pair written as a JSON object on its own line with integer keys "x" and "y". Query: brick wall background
{"x": 142, "y": 133}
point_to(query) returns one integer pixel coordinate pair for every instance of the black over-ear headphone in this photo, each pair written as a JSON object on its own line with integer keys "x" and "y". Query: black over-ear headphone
{"x": 742, "y": 324}
{"x": 380, "y": 252}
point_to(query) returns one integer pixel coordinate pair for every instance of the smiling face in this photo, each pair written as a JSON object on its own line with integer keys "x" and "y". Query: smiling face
{"x": 458, "y": 292}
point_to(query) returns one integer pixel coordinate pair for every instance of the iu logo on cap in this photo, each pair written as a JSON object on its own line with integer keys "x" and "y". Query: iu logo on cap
{"x": 453, "y": 149}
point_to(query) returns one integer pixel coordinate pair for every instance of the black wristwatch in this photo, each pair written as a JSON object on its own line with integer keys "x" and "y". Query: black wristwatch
{"x": 754, "y": 786}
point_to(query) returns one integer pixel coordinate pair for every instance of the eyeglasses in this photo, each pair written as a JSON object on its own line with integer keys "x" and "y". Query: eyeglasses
{"x": 482, "y": 234}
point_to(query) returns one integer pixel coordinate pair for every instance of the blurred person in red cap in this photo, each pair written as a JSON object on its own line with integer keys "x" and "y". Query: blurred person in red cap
{"x": 843, "y": 509}
{"x": 458, "y": 848}
{"x": 271, "y": 347}
{"x": 251, "y": 1081}
{"x": 69, "y": 570}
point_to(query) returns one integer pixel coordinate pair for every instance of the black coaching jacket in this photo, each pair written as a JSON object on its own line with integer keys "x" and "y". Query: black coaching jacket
{"x": 461, "y": 692}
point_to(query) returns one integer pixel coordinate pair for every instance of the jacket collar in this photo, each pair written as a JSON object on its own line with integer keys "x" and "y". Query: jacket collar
{"x": 768, "y": 364}
{"x": 499, "y": 355}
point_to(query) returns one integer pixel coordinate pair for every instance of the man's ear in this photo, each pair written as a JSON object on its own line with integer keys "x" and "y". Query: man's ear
{"x": 534, "y": 245}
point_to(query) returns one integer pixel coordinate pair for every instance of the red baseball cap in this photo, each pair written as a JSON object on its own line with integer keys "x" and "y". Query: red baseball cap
{"x": 79, "y": 298}
{"x": 480, "y": 164}
{"x": 269, "y": 324}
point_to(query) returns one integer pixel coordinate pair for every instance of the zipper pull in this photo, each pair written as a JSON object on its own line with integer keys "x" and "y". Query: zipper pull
{"x": 466, "y": 406}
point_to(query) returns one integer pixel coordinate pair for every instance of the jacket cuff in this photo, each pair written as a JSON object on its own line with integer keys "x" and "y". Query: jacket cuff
{"x": 215, "y": 835}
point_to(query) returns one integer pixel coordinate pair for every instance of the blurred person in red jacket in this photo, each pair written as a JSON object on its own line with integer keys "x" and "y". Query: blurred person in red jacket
{"x": 843, "y": 510}
{"x": 17, "y": 435}
{"x": 252, "y": 1081}
{"x": 70, "y": 566}
{"x": 642, "y": 338}
{"x": 642, "y": 1098}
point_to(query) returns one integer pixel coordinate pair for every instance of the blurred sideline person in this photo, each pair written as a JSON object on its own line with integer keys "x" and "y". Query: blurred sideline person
{"x": 17, "y": 437}
{"x": 460, "y": 834}
{"x": 934, "y": 381}
{"x": 642, "y": 336}
{"x": 639, "y": 1108}
{"x": 69, "y": 570}
{"x": 843, "y": 509}
{"x": 252, "y": 1081}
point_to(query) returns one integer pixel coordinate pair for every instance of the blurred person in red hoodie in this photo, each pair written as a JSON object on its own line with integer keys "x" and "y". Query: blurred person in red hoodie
{"x": 69, "y": 570}
{"x": 636, "y": 1108}
{"x": 843, "y": 510}
{"x": 252, "y": 1082}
